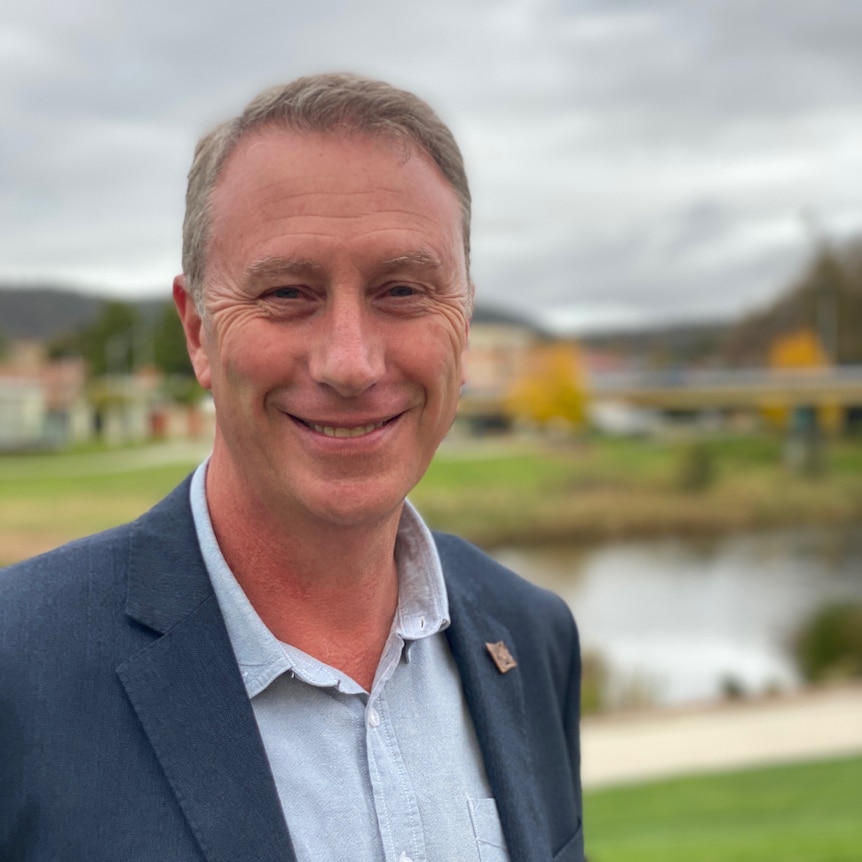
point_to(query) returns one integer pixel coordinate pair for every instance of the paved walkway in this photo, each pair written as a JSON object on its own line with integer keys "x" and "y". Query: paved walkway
{"x": 636, "y": 747}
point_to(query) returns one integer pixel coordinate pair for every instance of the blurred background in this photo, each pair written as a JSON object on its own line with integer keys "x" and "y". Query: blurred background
{"x": 663, "y": 416}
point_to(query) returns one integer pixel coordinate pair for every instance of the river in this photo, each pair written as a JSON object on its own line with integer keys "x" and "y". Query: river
{"x": 678, "y": 621}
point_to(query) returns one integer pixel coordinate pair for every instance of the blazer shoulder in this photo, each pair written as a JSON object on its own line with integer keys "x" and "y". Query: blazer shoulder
{"x": 52, "y": 588}
{"x": 477, "y": 580}
{"x": 62, "y": 567}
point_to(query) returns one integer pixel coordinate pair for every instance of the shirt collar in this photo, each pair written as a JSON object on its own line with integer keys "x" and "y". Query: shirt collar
{"x": 423, "y": 606}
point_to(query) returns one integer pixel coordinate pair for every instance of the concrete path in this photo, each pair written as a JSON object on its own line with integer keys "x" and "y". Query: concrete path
{"x": 636, "y": 747}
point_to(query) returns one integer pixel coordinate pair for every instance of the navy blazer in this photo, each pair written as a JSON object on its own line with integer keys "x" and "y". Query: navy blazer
{"x": 126, "y": 733}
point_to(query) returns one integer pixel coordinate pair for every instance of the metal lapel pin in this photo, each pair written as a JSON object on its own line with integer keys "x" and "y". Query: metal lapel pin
{"x": 502, "y": 657}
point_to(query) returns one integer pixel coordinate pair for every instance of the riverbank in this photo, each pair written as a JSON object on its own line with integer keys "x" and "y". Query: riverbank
{"x": 508, "y": 493}
{"x": 816, "y": 723}
{"x": 494, "y": 492}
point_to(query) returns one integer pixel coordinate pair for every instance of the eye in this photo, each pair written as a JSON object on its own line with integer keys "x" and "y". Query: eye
{"x": 289, "y": 301}
{"x": 286, "y": 293}
{"x": 401, "y": 290}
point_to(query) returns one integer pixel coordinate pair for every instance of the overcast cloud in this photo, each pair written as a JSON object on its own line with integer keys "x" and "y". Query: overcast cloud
{"x": 631, "y": 161}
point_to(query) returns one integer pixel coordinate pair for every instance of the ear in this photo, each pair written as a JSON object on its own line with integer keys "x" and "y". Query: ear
{"x": 193, "y": 327}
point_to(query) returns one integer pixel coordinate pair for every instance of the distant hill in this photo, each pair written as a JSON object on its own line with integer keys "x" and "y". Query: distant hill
{"x": 498, "y": 315}
{"x": 697, "y": 343}
{"x": 825, "y": 299}
{"x": 45, "y": 312}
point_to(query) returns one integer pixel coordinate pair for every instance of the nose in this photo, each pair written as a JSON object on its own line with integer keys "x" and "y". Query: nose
{"x": 348, "y": 355}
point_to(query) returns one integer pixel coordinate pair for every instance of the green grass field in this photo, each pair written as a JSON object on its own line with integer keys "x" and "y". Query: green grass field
{"x": 596, "y": 489}
{"x": 490, "y": 491}
{"x": 801, "y": 813}
{"x": 46, "y": 500}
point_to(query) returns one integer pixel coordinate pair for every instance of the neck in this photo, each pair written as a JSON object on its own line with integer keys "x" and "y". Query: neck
{"x": 326, "y": 589}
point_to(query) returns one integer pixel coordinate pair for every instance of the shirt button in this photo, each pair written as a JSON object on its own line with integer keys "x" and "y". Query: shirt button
{"x": 404, "y": 858}
{"x": 374, "y": 721}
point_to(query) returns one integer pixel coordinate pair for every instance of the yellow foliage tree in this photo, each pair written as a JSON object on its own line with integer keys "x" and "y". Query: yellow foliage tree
{"x": 551, "y": 389}
{"x": 799, "y": 349}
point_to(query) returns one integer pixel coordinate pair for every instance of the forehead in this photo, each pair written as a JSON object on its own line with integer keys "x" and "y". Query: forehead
{"x": 281, "y": 185}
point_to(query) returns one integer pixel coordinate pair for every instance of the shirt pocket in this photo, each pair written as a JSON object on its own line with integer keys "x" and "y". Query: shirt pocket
{"x": 487, "y": 830}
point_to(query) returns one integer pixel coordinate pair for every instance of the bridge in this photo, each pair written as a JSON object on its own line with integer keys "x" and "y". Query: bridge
{"x": 681, "y": 389}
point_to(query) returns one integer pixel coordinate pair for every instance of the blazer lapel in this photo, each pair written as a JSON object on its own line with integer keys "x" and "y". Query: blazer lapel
{"x": 189, "y": 697}
{"x": 496, "y": 704}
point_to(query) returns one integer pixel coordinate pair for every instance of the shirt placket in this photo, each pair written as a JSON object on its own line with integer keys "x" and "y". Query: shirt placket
{"x": 395, "y": 801}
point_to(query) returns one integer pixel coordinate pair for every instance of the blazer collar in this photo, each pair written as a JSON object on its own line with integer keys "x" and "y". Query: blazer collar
{"x": 189, "y": 697}
{"x": 496, "y": 704}
{"x": 167, "y": 577}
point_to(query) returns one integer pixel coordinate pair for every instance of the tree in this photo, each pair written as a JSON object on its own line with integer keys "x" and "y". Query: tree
{"x": 798, "y": 349}
{"x": 552, "y": 389}
{"x": 169, "y": 344}
{"x": 109, "y": 345}
{"x": 825, "y": 299}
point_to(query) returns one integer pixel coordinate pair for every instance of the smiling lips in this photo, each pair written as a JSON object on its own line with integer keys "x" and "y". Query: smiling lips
{"x": 343, "y": 430}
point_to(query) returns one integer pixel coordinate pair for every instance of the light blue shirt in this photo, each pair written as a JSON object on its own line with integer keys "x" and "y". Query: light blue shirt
{"x": 393, "y": 774}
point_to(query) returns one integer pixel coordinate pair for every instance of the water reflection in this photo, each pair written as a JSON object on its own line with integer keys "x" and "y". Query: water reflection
{"x": 683, "y": 619}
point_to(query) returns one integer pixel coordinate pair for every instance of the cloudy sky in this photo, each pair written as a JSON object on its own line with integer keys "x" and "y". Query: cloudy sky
{"x": 631, "y": 160}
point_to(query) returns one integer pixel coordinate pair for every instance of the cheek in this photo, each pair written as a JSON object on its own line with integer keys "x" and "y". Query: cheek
{"x": 252, "y": 357}
{"x": 456, "y": 345}
{"x": 436, "y": 357}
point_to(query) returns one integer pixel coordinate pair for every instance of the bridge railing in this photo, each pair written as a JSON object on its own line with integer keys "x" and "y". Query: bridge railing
{"x": 744, "y": 378}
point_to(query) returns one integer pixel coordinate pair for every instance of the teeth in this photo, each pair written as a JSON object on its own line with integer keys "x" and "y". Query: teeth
{"x": 338, "y": 431}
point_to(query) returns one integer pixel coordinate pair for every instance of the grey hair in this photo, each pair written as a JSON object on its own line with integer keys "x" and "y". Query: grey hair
{"x": 330, "y": 103}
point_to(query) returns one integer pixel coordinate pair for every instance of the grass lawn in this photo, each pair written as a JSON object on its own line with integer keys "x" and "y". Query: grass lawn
{"x": 800, "y": 813}
{"x": 490, "y": 491}
{"x": 598, "y": 489}
{"x": 47, "y": 500}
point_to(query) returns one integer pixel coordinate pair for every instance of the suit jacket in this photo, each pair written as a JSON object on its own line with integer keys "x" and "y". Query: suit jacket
{"x": 126, "y": 732}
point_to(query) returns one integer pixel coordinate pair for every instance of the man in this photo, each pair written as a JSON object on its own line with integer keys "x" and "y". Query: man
{"x": 279, "y": 661}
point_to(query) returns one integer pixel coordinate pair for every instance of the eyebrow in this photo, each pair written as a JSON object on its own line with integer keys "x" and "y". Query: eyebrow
{"x": 410, "y": 260}
{"x": 278, "y": 267}
{"x": 284, "y": 267}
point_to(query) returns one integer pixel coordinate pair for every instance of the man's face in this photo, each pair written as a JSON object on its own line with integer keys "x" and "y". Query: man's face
{"x": 336, "y": 296}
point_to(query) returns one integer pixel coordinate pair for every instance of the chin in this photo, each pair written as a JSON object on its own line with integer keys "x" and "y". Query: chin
{"x": 357, "y": 506}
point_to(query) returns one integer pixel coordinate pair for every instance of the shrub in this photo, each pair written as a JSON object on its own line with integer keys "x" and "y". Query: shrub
{"x": 594, "y": 678}
{"x": 829, "y": 646}
{"x": 696, "y": 467}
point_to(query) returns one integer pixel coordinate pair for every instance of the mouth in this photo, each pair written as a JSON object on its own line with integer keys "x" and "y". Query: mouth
{"x": 345, "y": 430}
